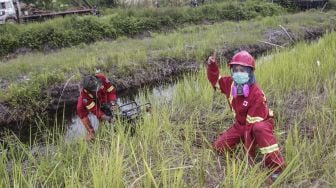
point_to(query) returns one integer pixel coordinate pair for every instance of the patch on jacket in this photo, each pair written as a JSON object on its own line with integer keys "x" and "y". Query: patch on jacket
{"x": 85, "y": 101}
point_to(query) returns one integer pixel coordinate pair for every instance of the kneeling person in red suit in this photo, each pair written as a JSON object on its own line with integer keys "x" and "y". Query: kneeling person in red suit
{"x": 254, "y": 121}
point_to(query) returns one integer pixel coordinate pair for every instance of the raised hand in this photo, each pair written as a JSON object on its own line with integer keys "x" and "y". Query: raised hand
{"x": 212, "y": 58}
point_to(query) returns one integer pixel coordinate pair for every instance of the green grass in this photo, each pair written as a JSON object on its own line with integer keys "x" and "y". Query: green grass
{"x": 173, "y": 146}
{"x": 189, "y": 42}
{"x": 30, "y": 74}
{"x": 332, "y": 4}
{"x": 124, "y": 56}
{"x": 71, "y": 31}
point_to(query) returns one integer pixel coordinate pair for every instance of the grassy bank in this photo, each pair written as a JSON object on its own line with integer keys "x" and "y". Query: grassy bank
{"x": 70, "y": 31}
{"x": 25, "y": 79}
{"x": 173, "y": 146}
{"x": 190, "y": 43}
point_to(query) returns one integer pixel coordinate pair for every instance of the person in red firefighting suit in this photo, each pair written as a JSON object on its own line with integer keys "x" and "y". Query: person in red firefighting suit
{"x": 254, "y": 121}
{"x": 97, "y": 94}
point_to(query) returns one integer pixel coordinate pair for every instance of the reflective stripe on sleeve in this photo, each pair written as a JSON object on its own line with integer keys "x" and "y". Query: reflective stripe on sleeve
{"x": 230, "y": 100}
{"x": 231, "y": 97}
{"x": 217, "y": 83}
{"x": 90, "y": 105}
{"x": 250, "y": 119}
{"x": 110, "y": 89}
{"x": 269, "y": 149}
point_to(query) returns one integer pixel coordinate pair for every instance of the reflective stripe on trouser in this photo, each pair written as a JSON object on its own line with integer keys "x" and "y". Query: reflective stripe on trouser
{"x": 263, "y": 132}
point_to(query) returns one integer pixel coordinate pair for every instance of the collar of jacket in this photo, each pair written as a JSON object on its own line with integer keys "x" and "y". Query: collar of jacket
{"x": 88, "y": 93}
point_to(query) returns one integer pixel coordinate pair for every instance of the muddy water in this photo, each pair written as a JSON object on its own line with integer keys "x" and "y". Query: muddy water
{"x": 162, "y": 94}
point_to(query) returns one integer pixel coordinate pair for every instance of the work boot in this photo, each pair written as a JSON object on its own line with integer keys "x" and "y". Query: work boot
{"x": 271, "y": 179}
{"x": 275, "y": 176}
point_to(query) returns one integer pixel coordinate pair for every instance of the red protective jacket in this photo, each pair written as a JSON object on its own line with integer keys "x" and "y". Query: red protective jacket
{"x": 87, "y": 103}
{"x": 247, "y": 110}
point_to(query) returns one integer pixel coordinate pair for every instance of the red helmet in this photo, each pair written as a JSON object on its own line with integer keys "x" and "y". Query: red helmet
{"x": 243, "y": 58}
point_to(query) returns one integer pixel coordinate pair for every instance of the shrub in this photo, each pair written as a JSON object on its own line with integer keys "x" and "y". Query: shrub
{"x": 8, "y": 44}
{"x": 74, "y": 30}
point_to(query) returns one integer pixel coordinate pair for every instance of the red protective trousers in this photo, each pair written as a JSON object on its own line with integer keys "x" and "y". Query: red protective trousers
{"x": 260, "y": 134}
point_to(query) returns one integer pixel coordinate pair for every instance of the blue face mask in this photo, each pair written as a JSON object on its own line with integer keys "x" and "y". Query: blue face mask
{"x": 240, "y": 77}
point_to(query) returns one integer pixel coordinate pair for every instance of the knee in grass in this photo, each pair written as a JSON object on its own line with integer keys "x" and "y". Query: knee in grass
{"x": 258, "y": 128}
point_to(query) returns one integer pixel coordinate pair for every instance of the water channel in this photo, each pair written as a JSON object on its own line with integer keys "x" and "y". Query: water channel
{"x": 161, "y": 93}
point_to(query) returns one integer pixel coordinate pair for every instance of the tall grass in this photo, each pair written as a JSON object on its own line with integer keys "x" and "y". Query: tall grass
{"x": 172, "y": 147}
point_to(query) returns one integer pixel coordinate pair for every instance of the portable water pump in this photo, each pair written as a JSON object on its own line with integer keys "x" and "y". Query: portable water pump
{"x": 130, "y": 113}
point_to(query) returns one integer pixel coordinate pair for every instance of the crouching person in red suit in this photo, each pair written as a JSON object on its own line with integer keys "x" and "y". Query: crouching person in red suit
{"x": 254, "y": 121}
{"x": 97, "y": 94}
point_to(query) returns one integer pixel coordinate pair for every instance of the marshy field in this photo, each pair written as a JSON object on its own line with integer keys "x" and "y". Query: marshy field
{"x": 172, "y": 147}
